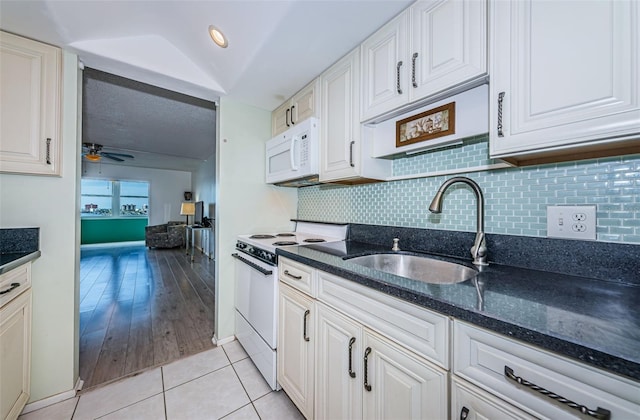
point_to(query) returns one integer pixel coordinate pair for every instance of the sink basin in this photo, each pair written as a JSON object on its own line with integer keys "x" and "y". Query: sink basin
{"x": 423, "y": 269}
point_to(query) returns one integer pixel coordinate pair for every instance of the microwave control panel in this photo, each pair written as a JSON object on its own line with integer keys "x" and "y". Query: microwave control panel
{"x": 304, "y": 149}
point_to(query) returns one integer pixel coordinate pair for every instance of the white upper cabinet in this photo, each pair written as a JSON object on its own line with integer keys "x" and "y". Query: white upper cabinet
{"x": 565, "y": 79}
{"x": 449, "y": 45}
{"x": 384, "y": 61}
{"x": 432, "y": 48}
{"x": 30, "y": 88}
{"x": 304, "y": 104}
{"x": 343, "y": 156}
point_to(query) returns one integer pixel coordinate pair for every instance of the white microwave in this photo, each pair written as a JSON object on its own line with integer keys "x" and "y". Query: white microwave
{"x": 292, "y": 158}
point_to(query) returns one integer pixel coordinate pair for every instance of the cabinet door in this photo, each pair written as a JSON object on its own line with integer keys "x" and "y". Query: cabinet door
{"x": 449, "y": 45}
{"x": 339, "y": 366}
{"x": 402, "y": 385}
{"x": 280, "y": 119}
{"x": 563, "y": 75}
{"x": 472, "y": 403}
{"x": 30, "y": 111}
{"x": 339, "y": 126}
{"x": 305, "y": 103}
{"x": 15, "y": 355}
{"x": 385, "y": 62}
{"x": 296, "y": 348}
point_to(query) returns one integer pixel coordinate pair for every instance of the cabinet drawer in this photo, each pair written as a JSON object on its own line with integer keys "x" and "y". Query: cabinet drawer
{"x": 482, "y": 358}
{"x": 422, "y": 331}
{"x": 298, "y": 276}
{"x": 472, "y": 403}
{"x": 20, "y": 275}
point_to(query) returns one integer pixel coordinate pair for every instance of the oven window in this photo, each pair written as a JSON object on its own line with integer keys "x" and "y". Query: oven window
{"x": 280, "y": 162}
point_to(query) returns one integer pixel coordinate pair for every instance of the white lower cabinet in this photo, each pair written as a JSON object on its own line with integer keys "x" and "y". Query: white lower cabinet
{"x": 296, "y": 348}
{"x": 15, "y": 342}
{"x": 361, "y": 374}
{"x": 400, "y": 385}
{"x": 337, "y": 366}
{"x": 538, "y": 382}
{"x": 347, "y": 351}
{"x": 339, "y": 381}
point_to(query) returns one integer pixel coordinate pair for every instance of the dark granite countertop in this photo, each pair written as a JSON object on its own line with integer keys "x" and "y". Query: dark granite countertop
{"x": 18, "y": 246}
{"x": 594, "y": 321}
{"x": 12, "y": 260}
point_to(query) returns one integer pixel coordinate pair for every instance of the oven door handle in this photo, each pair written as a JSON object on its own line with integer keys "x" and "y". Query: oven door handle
{"x": 252, "y": 265}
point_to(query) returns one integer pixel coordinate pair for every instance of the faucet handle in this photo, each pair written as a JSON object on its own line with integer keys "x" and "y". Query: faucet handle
{"x": 395, "y": 244}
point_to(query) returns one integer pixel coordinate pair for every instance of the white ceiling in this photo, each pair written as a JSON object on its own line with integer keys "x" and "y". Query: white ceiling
{"x": 275, "y": 46}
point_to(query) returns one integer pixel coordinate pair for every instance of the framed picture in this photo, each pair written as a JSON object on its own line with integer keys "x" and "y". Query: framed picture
{"x": 427, "y": 125}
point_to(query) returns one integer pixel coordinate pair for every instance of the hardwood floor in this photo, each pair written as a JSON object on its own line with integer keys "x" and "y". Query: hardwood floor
{"x": 141, "y": 307}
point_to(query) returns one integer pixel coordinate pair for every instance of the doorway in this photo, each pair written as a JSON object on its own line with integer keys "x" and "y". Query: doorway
{"x": 141, "y": 307}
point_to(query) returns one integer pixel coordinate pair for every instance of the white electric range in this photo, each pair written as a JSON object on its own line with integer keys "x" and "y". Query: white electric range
{"x": 256, "y": 276}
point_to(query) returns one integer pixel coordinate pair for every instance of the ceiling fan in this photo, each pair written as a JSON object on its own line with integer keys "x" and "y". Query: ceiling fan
{"x": 94, "y": 152}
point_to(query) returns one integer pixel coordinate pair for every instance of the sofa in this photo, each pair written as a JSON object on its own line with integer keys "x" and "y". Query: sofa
{"x": 168, "y": 235}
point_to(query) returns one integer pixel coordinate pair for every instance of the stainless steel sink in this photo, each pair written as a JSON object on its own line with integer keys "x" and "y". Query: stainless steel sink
{"x": 428, "y": 270}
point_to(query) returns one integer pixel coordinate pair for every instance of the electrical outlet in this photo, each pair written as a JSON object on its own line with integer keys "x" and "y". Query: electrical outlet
{"x": 571, "y": 222}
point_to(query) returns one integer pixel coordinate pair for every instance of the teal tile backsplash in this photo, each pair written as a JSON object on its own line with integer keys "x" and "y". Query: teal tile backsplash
{"x": 515, "y": 198}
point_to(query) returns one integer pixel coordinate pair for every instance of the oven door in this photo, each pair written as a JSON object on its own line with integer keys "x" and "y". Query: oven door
{"x": 257, "y": 296}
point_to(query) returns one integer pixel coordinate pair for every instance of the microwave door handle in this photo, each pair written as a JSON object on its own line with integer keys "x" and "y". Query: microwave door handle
{"x": 292, "y": 154}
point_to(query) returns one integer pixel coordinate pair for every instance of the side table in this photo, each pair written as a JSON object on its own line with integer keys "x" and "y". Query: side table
{"x": 205, "y": 240}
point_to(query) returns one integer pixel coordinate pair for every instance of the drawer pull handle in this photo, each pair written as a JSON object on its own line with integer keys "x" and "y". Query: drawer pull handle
{"x": 413, "y": 70}
{"x": 600, "y": 413}
{"x": 398, "y": 89}
{"x": 48, "y": 154}
{"x": 351, "y": 372}
{"x": 351, "y": 154}
{"x": 304, "y": 325}
{"x": 367, "y": 386}
{"x": 500, "y": 99}
{"x": 464, "y": 413}
{"x": 13, "y": 286}
{"x": 287, "y": 273}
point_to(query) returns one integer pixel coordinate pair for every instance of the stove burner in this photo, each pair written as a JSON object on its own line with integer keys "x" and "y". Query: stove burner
{"x": 284, "y": 243}
{"x": 314, "y": 240}
{"x": 286, "y": 234}
{"x": 262, "y": 236}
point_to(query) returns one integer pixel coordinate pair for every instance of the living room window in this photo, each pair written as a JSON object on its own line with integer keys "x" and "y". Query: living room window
{"x": 107, "y": 198}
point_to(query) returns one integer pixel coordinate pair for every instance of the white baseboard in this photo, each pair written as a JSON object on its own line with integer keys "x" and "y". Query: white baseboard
{"x": 45, "y": 402}
{"x": 220, "y": 341}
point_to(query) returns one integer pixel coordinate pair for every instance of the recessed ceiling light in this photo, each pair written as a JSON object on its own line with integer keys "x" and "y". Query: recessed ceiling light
{"x": 218, "y": 37}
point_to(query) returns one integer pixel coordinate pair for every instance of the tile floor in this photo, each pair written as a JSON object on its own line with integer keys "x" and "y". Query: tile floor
{"x": 218, "y": 383}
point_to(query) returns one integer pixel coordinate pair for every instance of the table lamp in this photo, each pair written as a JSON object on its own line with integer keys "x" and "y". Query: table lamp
{"x": 188, "y": 209}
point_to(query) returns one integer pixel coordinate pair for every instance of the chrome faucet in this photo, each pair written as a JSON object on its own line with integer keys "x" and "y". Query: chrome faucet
{"x": 479, "y": 248}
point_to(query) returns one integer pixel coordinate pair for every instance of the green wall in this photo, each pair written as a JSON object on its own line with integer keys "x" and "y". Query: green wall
{"x": 98, "y": 231}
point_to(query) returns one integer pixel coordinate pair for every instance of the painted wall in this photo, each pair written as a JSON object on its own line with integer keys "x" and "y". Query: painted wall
{"x": 244, "y": 203}
{"x": 515, "y": 198}
{"x": 166, "y": 187}
{"x": 99, "y": 231}
{"x": 52, "y": 203}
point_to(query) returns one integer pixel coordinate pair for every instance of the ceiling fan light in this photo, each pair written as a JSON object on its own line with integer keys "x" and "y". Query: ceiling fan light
{"x": 93, "y": 158}
{"x": 218, "y": 37}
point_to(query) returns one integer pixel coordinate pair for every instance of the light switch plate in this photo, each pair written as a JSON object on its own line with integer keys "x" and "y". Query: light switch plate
{"x": 571, "y": 222}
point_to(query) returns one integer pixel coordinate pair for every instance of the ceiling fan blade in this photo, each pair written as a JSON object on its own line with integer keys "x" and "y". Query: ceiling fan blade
{"x": 108, "y": 156}
{"x": 117, "y": 154}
